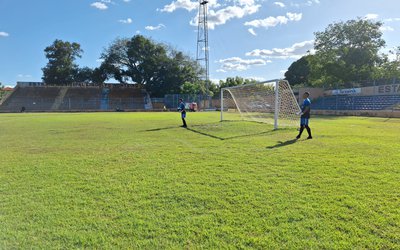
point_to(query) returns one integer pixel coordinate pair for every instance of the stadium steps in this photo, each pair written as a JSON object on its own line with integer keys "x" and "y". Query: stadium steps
{"x": 8, "y": 95}
{"x": 31, "y": 99}
{"x": 59, "y": 98}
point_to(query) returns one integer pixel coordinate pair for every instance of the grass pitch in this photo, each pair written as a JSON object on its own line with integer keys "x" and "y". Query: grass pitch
{"x": 137, "y": 180}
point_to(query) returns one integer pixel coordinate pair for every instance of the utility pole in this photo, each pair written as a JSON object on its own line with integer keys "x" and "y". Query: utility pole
{"x": 202, "y": 46}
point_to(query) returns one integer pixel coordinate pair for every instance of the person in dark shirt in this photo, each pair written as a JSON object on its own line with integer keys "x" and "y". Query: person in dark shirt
{"x": 305, "y": 116}
{"x": 182, "y": 109}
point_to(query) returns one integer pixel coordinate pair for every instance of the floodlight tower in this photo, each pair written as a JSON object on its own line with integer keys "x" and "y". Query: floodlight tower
{"x": 202, "y": 42}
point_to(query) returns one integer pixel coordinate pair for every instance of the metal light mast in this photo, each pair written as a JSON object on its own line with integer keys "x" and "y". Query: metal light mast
{"x": 202, "y": 41}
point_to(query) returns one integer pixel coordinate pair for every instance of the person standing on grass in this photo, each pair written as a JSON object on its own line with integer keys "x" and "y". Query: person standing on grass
{"x": 305, "y": 116}
{"x": 182, "y": 109}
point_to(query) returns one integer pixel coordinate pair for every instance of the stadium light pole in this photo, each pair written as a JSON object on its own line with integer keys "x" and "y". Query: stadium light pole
{"x": 202, "y": 55}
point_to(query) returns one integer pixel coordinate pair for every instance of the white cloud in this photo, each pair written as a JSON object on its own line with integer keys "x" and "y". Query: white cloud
{"x": 4, "y": 34}
{"x": 126, "y": 1}
{"x": 294, "y": 16}
{"x": 305, "y": 3}
{"x": 257, "y": 78}
{"x": 239, "y": 9}
{"x": 99, "y": 5}
{"x": 155, "y": 27}
{"x": 125, "y": 21}
{"x": 274, "y": 21}
{"x": 191, "y": 5}
{"x": 396, "y": 19}
{"x": 180, "y": 4}
{"x": 280, "y": 4}
{"x": 239, "y": 64}
{"x": 311, "y": 2}
{"x": 386, "y": 28}
{"x": 296, "y": 51}
{"x": 251, "y": 30}
{"x": 371, "y": 16}
{"x": 221, "y": 16}
{"x": 24, "y": 76}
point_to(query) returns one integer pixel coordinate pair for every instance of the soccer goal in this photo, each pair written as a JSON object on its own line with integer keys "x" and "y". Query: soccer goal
{"x": 269, "y": 102}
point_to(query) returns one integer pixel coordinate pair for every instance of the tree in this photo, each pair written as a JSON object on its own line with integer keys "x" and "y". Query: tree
{"x": 61, "y": 68}
{"x": 140, "y": 60}
{"x": 200, "y": 87}
{"x": 235, "y": 81}
{"x": 99, "y": 75}
{"x": 389, "y": 69}
{"x": 347, "y": 51}
{"x": 84, "y": 75}
{"x": 299, "y": 71}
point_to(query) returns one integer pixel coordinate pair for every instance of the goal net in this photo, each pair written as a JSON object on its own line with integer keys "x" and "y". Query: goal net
{"x": 269, "y": 102}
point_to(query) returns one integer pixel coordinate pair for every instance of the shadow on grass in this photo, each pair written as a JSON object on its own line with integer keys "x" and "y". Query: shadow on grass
{"x": 195, "y": 129}
{"x": 159, "y": 129}
{"x": 227, "y": 138}
{"x": 283, "y": 144}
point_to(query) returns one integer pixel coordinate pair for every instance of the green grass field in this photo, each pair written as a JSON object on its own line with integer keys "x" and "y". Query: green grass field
{"x": 137, "y": 180}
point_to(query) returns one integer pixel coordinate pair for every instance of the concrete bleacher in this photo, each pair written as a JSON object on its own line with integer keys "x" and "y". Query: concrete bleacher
{"x": 31, "y": 99}
{"x": 78, "y": 98}
{"x": 374, "y": 102}
{"x": 122, "y": 98}
{"x": 74, "y": 98}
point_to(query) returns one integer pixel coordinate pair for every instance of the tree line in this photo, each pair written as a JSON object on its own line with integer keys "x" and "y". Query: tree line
{"x": 159, "y": 68}
{"x": 346, "y": 53}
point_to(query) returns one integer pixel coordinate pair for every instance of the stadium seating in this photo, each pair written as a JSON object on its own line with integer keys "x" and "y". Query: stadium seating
{"x": 126, "y": 98}
{"x": 377, "y": 102}
{"x": 78, "y": 98}
{"x": 31, "y": 99}
{"x": 74, "y": 98}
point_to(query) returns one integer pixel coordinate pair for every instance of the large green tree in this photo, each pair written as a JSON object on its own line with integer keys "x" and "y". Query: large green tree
{"x": 347, "y": 51}
{"x": 235, "y": 81}
{"x": 389, "y": 69}
{"x": 158, "y": 67}
{"x": 61, "y": 68}
{"x": 299, "y": 71}
{"x": 200, "y": 87}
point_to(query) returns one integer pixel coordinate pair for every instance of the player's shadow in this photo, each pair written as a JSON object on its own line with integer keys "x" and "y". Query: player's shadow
{"x": 283, "y": 144}
{"x": 205, "y": 134}
{"x": 159, "y": 129}
{"x": 227, "y": 138}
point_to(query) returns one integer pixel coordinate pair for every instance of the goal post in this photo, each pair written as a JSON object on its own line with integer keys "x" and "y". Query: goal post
{"x": 270, "y": 101}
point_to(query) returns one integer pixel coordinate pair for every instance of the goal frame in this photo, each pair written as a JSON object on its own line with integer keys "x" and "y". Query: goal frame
{"x": 276, "y": 110}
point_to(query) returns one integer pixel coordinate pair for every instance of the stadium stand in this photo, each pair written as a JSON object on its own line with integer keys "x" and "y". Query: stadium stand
{"x": 31, "y": 99}
{"x": 81, "y": 98}
{"x": 374, "y": 102}
{"x": 123, "y": 98}
{"x": 75, "y": 98}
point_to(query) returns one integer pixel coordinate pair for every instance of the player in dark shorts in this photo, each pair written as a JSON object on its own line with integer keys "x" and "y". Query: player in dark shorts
{"x": 182, "y": 109}
{"x": 305, "y": 116}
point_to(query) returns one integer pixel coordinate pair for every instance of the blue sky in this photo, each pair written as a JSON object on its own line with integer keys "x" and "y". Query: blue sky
{"x": 249, "y": 38}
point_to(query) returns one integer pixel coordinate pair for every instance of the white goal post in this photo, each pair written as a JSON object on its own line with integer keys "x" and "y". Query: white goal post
{"x": 269, "y": 102}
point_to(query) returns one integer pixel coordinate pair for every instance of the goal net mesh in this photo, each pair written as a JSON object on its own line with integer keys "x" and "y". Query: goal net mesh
{"x": 256, "y": 102}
